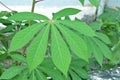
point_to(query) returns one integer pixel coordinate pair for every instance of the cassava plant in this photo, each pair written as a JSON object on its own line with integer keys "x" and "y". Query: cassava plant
{"x": 57, "y": 48}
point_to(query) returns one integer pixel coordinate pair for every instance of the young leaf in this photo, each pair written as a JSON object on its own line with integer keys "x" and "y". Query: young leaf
{"x": 94, "y": 2}
{"x": 79, "y": 26}
{"x": 18, "y": 57}
{"x": 65, "y": 12}
{"x": 12, "y": 72}
{"x": 24, "y": 36}
{"x": 37, "y": 49}
{"x": 76, "y": 43}
{"x": 27, "y": 16}
{"x": 60, "y": 52}
{"x": 82, "y": 1}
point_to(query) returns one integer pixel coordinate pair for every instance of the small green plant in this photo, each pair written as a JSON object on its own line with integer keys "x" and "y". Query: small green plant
{"x": 111, "y": 27}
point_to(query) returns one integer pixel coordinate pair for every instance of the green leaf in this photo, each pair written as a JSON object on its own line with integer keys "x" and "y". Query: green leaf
{"x": 94, "y": 2}
{"x": 40, "y": 75}
{"x": 27, "y": 16}
{"x": 76, "y": 43}
{"x": 74, "y": 75}
{"x": 53, "y": 73}
{"x": 18, "y": 57}
{"x": 82, "y": 27}
{"x": 105, "y": 50}
{"x": 78, "y": 62}
{"x": 37, "y": 49}
{"x": 96, "y": 51}
{"x": 24, "y": 36}
{"x": 60, "y": 52}
{"x": 7, "y": 29}
{"x": 4, "y": 13}
{"x": 81, "y": 72}
{"x": 33, "y": 76}
{"x": 103, "y": 37}
{"x": 116, "y": 54}
{"x": 12, "y": 72}
{"x": 82, "y": 1}
{"x": 95, "y": 25}
{"x": 65, "y": 12}
{"x": 22, "y": 76}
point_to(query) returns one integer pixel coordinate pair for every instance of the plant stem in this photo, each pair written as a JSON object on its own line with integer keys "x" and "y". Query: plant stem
{"x": 5, "y": 39}
{"x": 32, "y": 10}
{"x": 30, "y": 23}
{"x": 33, "y": 6}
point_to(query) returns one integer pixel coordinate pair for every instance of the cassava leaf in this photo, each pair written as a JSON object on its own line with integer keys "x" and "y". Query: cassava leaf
{"x": 96, "y": 51}
{"x": 40, "y": 75}
{"x": 24, "y": 36}
{"x": 12, "y": 72}
{"x": 103, "y": 37}
{"x": 116, "y": 53}
{"x": 18, "y": 57}
{"x": 27, "y": 16}
{"x": 82, "y": 1}
{"x": 81, "y": 72}
{"x": 94, "y": 2}
{"x": 79, "y": 26}
{"x": 53, "y": 73}
{"x": 95, "y": 25}
{"x": 105, "y": 50}
{"x": 60, "y": 52}
{"x": 37, "y": 49}
{"x": 76, "y": 43}
{"x": 78, "y": 62}
{"x": 33, "y": 76}
{"x": 65, "y": 12}
{"x": 74, "y": 75}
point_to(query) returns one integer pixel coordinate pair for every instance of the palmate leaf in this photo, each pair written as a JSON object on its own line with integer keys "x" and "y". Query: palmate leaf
{"x": 98, "y": 49}
{"x": 79, "y": 26}
{"x": 37, "y": 49}
{"x": 77, "y": 44}
{"x": 60, "y": 52}
{"x": 24, "y": 36}
{"x": 63, "y": 39}
{"x": 65, "y": 12}
{"x": 12, "y": 72}
{"x": 27, "y": 16}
